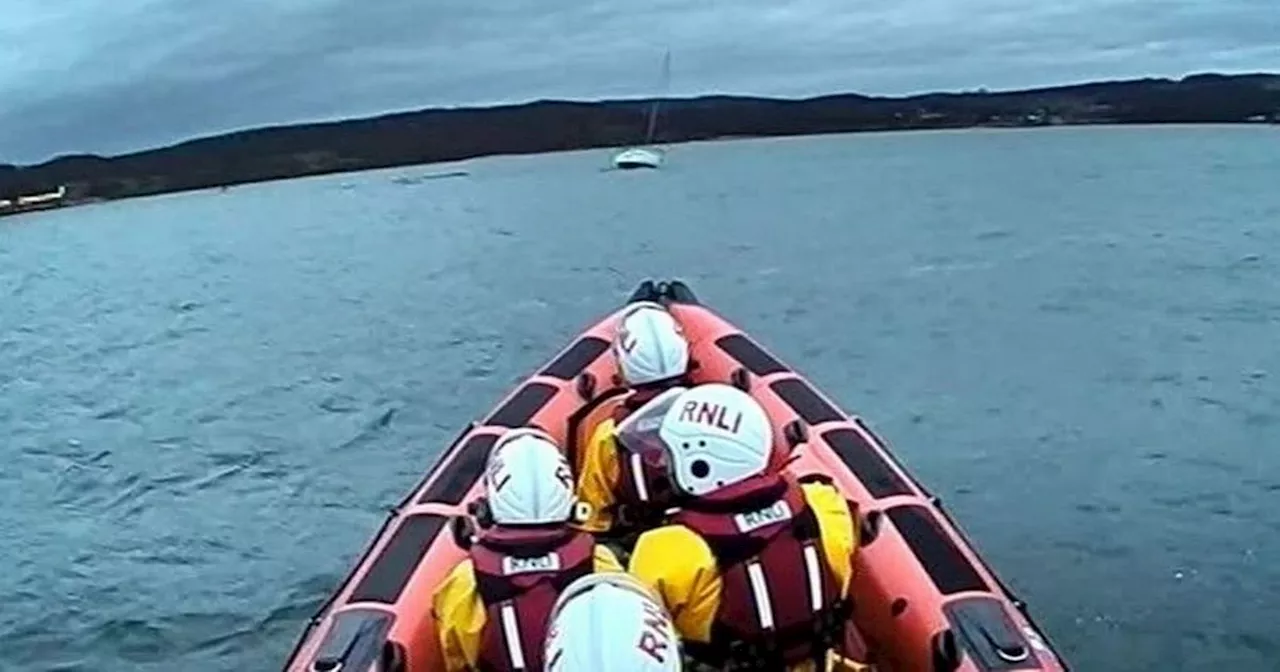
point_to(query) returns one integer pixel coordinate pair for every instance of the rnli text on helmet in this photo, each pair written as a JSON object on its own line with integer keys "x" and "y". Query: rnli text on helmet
{"x": 655, "y": 639}
{"x": 713, "y": 415}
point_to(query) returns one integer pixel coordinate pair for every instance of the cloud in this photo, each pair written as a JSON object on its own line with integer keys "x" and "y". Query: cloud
{"x": 110, "y": 77}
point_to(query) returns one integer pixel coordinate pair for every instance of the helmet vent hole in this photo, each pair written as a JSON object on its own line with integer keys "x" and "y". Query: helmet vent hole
{"x": 702, "y": 444}
{"x": 700, "y": 468}
{"x": 685, "y": 445}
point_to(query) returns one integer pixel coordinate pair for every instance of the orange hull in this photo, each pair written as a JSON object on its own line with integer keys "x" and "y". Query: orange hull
{"x": 923, "y": 598}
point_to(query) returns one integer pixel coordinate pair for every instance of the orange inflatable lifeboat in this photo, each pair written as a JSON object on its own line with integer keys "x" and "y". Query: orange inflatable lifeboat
{"x": 923, "y": 599}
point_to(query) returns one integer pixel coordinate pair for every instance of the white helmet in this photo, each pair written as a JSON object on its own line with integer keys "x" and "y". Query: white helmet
{"x": 650, "y": 345}
{"x": 610, "y": 622}
{"x": 528, "y": 481}
{"x": 714, "y": 435}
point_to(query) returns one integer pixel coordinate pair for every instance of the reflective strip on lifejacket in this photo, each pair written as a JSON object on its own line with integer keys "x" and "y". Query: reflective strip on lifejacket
{"x": 511, "y": 633}
{"x": 637, "y": 477}
{"x": 760, "y": 592}
{"x": 760, "y": 587}
{"x": 814, "y": 577}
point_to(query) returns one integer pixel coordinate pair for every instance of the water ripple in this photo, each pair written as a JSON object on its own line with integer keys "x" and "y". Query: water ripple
{"x": 214, "y": 396}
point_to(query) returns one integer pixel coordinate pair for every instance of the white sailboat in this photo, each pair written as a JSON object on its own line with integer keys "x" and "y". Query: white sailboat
{"x": 646, "y": 156}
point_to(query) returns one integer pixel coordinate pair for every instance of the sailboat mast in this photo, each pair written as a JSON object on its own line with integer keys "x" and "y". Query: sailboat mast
{"x": 653, "y": 111}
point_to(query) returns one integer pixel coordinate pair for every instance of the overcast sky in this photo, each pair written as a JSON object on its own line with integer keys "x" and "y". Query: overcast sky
{"x": 113, "y": 76}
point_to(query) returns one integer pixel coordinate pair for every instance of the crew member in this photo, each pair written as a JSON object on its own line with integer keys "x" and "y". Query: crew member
{"x": 756, "y": 565}
{"x": 492, "y": 609}
{"x": 624, "y": 490}
{"x": 611, "y": 623}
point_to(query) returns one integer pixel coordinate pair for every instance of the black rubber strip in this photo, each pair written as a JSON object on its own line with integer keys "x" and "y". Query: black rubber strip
{"x": 457, "y": 477}
{"x": 865, "y": 462}
{"x": 750, "y": 355}
{"x": 521, "y": 407}
{"x": 942, "y": 560}
{"x": 399, "y": 558}
{"x": 806, "y": 402}
{"x": 575, "y": 360}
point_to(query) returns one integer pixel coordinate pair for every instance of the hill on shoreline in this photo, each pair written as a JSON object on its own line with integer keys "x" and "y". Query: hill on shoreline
{"x": 434, "y": 135}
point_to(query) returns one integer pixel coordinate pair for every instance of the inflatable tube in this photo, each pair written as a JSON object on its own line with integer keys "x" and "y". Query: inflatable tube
{"x": 923, "y": 598}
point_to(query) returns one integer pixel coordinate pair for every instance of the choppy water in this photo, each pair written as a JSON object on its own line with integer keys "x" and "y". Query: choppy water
{"x": 1069, "y": 334}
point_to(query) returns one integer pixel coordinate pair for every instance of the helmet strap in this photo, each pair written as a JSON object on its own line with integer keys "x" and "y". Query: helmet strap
{"x": 480, "y": 510}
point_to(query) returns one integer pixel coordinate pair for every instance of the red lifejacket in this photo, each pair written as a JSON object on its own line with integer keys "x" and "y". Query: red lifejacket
{"x": 519, "y": 575}
{"x": 780, "y": 603}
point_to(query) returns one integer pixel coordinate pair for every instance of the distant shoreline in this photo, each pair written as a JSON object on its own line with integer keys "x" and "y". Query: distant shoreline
{"x": 446, "y": 135}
